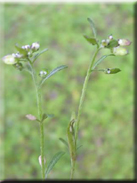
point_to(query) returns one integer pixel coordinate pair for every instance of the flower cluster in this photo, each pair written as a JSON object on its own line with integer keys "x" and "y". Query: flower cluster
{"x": 23, "y": 53}
{"x": 116, "y": 46}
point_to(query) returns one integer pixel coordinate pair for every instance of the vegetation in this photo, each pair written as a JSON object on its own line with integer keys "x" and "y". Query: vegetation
{"x": 106, "y": 134}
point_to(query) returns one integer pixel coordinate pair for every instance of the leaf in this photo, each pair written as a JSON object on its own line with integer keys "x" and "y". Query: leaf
{"x": 91, "y": 40}
{"x": 21, "y": 50}
{"x": 112, "y": 71}
{"x": 38, "y": 54}
{"x": 54, "y": 71}
{"x": 45, "y": 116}
{"x": 93, "y": 27}
{"x": 101, "y": 59}
{"x": 79, "y": 147}
{"x": 71, "y": 139}
{"x": 50, "y": 115}
{"x": 112, "y": 44}
{"x": 64, "y": 142}
{"x": 52, "y": 163}
{"x": 31, "y": 117}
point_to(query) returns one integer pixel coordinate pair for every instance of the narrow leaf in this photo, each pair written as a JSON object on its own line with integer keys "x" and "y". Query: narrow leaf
{"x": 44, "y": 117}
{"x": 93, "y": 27}
{"x": 71, "y": 139}
{"x": 52, "y": 163}
{"x": 91, "y": 40}
{"x": 64, "y": 142}
{"x": 38, "y": 54}
{"x": 54, "y": 71}
{"x": 112, "y": 70}
{"x": 79, "y": 147}
{"x": 101, "y": 59}
{"x": 21, "y": 50}
{"x": 50, "y": 115}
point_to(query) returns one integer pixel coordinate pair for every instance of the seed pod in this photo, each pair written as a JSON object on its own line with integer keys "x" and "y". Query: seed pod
{"x": 120, "y": 51}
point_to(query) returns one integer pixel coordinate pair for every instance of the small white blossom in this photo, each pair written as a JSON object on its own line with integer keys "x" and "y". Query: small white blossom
{"x": 35, "y": 46}
{"x": 104, "y": 42}
{"x": 42, "y": 73}
{"x": 9, "y": 59}
{"x": 23, "y": 47}
{"x": 108, "y": 71}
{"x": 27, "y": 47}
{"x": 110, "y": 37}
{"x": 17, "y": 55}
{"x": 124, "y": 42}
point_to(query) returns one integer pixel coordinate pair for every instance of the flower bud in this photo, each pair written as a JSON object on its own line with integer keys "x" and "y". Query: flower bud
{"x": 18, "y": 66}
{"x": 104, "y": 42}
{"x": 110, "y": 37}
{"x": 17, "y": 55}
{"x": 35, "y": 46}
{"x": 124, "y": 42}
{"x": 26, "y": 47}
{"x": 29, "y": 53}
{"x": 9, "y": 59}
{"x": 42, "y": 73}
{"x": 120, "y": 51}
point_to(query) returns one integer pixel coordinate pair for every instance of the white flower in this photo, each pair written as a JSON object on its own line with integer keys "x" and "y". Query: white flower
{"x": 9, "y": 59}
{"x": 42, "y": 73}
{"x": 35, "y": 46}
{"x": 17, "y": 55}
{"x": 124, "y": 42}
{"x": 110, "y": 37}
{"x": 104, "y": 42}
{"x": 27, "y": 47}
{"x": 108, "y": 71}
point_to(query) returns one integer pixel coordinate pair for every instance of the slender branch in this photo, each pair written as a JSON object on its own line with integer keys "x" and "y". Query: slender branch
{"x": 83, "y": 93}
{"x": 39, "y": 106}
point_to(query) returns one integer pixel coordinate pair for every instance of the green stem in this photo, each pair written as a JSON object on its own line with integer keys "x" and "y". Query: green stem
{"x": 39, "y": 107}
{"x": 83, "y": 93}
{"x": 73, "y": 161}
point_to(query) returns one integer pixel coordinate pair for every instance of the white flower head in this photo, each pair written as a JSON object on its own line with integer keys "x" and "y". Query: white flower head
{"x": 42, "y": 73}
{"x": 104, "y": 42}
{"x": 9, "y": 59}
{"x": 35, "y": 46}
{"x": 110, "y": 37}
{"x": 17, "y": 55}
{"x": 27, "y": 47}
{"x": 124, "y": 42}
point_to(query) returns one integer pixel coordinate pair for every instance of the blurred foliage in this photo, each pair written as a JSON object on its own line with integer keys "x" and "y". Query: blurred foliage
{"x": 106, "y": 128}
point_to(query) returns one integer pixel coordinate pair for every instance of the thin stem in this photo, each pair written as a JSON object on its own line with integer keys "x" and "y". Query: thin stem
{"x": 39, "y": 107}
{"x": 83, "y": 93}
{"x": 73, "y": 161}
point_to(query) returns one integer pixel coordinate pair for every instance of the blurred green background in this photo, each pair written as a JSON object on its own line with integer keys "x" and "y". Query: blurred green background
{"x": 106, "y": 129}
